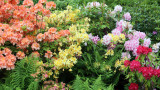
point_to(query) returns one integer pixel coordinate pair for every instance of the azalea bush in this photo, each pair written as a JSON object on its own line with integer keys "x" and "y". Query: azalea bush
{"x": 142, "y": 11}
{"x": 30, "y": 34}
{"x": 42, "y": 47}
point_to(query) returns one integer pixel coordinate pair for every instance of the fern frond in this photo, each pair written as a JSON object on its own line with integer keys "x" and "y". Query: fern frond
{"x": 86, "y": 85}
{"x": 5, "y": 87}
{"x": 95, "y": 85}
{"x": 98, "y": 84}
{"x": 78, "y": 84}
{"x": 110, "y": 87}
{"x": 21, "y": 75}
{"x": 33, "y": 86}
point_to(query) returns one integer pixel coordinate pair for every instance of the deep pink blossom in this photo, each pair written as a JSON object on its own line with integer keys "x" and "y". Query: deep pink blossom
{"x": 135, "y": 65}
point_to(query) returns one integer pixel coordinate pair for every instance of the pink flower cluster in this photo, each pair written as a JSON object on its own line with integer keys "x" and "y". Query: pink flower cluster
{"x": 127, "y": 16}
{"x": 118, "y": 8}
{"x": 106, "y": 39}
{"x": 137, "y": 35}
{"x": 133, "y": 42}
{"x": 94, "y": 4}
{"x": 54, "y": 85}
{"x": 116, "y": 31}
{"x": 123, "y": 25}
{"x": 131, "y": 45}
{"x": 147, "y": 42}
{"x": 125, "y": 55}
{"x": 119, "y": 25}
{"x": 94, "y": 39}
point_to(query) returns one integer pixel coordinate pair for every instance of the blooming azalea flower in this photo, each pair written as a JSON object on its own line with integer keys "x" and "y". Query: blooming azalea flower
{"x": 35, "y": 46}
{"x": 48, "y": 54}
{"x": 50, "y": 4}
{"x": 20, "y": 55}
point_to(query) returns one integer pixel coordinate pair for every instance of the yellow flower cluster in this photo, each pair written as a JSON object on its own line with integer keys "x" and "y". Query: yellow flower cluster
{"x": 63, "y": 17}
{"x": 116, "y": 38}
{"x": 109, "y": 52}
{"x": 120, "y": 63}
{"x": 67, "y": 57}
{"x": 78, "y": 34}
{"x": 78, "y": 27}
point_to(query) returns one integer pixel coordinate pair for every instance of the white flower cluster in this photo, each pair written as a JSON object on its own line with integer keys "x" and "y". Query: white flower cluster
{"x": 106, "y": 39}
{"x": 94, "y": 4}
{"x": 155, "y": 47}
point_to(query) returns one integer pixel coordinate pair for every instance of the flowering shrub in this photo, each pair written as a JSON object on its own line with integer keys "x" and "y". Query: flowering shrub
{"x": 24, "y": 27}
{"x": 63, "y": 19}
{"x": 7, "y": 59}
{"x": 51, "y": 46}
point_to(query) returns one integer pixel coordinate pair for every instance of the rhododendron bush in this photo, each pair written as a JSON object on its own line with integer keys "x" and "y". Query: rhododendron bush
{"x": 45, "y": 48}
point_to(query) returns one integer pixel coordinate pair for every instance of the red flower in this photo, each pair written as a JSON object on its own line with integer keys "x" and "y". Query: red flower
{"x": 143, "y": 50}
{"x": 126, "y": 63}
{"x": 135, "y": 65}
{"x": 147, "y": 72}
{"x": 133, "y": 86}
{"x": 157, "y": 72}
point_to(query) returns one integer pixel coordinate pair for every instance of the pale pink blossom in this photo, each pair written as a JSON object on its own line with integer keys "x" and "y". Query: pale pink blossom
{"x": 94, "y": 4}
{"x": 116, "y": 32}
{"x": 137, "y": 35}
{"x": 118, "y": 8}
{"x": 95, "y": 39}
{"x": 90, "y": 36}
{"x": 106, "y": 39}
{"x": 127, "y": 16}
{"x": 135, "y": 52}
{"x": 147, "y": 42}
{"x": 125, "y": 55}
{"x": 113, "y": 13}
{"x": 131, "y": 45}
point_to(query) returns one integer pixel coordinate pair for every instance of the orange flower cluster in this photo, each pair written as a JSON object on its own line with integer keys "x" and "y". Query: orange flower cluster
{"x": 52, "y": 35}
{"x": 20, "y": 55}
{"x": 10, "y": 10}
{"x": 17, "y": 24}
{"x": 48, "y": 54}
{"x": 7, "y": 59}
{"x": 22, "y": 20}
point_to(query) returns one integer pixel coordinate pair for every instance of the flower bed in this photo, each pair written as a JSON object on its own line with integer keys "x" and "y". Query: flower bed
{"x": 44, "y": 48}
